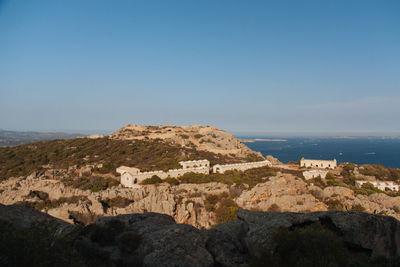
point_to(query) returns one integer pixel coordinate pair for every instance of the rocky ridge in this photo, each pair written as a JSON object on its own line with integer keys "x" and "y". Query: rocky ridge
{"x": 206, "y": 138}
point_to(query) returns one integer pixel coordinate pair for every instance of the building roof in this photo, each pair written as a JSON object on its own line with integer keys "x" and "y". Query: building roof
{"x": 327, "y": 160}
{"x": 123, "y": 169}
{"x": 194, "y": 161}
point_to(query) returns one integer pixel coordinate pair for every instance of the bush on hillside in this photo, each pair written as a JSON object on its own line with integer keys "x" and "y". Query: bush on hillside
{"x": 92, "y": 183}
{"x": 211, "y": 200}
{"x": 334, "y": 204}
{"x": 152, "y": 180}
{"x": 119, "y": 202}
{"x": 172, "y": 181}
{"x": 226, "y": 211}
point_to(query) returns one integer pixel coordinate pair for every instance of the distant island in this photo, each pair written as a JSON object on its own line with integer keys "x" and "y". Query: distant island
{"x": 252, "y": 140}
{"x": 14, "y": 138}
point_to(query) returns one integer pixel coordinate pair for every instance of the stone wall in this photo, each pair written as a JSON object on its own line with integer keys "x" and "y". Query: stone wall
{"x": 315, "y": 163}
{"x": 132, "y": 177}
{"x": 195, "y": 164}
{"x": 240, "y": 166}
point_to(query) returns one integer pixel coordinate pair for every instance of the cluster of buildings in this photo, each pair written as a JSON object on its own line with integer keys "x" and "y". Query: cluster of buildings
{"x": 318, "y": 165}
{"x": 132, "y": 177}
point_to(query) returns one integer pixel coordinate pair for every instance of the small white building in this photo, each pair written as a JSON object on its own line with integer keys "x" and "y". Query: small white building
{"x": 317, "y": 163}
{"x": 381, "y": 185}
{"x": 240, "y": 166}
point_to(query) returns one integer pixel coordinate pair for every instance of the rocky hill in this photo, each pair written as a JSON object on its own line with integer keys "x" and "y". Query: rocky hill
{"x": 151, "y": 239}
{"x": 205, "y": 138}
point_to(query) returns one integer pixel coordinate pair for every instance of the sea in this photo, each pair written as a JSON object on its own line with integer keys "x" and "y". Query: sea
{"x": 363, "y": 150}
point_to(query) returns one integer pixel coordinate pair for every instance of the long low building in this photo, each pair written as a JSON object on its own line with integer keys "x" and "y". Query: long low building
{"x": 318, "y": 163}
{"x": 240, "y": 166}
{"x": 132, "y": 177}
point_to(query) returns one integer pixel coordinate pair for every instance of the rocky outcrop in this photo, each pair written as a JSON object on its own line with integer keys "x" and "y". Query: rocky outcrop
{"x": 206, "y": 138}
{"x": 380, "y": 235}
{"x": 285, "y": 192}
{"x": 159, "y": 241}
{"x": 188, "y": 203}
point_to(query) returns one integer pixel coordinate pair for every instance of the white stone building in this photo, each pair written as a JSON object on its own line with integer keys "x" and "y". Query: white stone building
{"x": 381, "y": 185}
{"x": 317, "y": 163}
{"x": 132, "y": 177}
{"x": 240, "y": 166}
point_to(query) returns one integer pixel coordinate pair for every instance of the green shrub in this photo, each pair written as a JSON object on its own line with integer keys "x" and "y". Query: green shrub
{"x": 226, "y": 210}
{"x": 380, "y": 172}
{"x": 195, "y": 178}
{"x": 92, "y": 183}
{"x": 211, "y": 200}
{"x": 330, "y": 176}
{"x": 334, "y": 204}
{"x": 119, "y": 202}
{"x": 198, "y": 136}
{"x": 153, "y": 180}
{"x": 317, "y": 182}
{"x": 358, "y": 207}
{"x": 172, "y": 181}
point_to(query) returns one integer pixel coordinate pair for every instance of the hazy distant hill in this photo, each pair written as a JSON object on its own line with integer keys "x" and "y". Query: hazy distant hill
{"x": 13, "y": 138}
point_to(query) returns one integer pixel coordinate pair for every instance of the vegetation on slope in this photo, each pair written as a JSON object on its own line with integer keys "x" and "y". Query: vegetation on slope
{"x": 92, "y": 183}
{"x": 144, "y": 154}
{"x": 250, "y": 177}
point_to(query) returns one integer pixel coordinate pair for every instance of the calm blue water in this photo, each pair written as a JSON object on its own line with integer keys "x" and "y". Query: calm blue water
{"x": 360, "y": 151}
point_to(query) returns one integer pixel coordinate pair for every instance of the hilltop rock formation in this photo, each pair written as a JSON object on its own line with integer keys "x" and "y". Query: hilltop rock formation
{"x": 206, "y": 138}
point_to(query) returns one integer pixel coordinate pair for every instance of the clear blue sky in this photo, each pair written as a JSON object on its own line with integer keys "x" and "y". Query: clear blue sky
{"x": 243, "y": 66}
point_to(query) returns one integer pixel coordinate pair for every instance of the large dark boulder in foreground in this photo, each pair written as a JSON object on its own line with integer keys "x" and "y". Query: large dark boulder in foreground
{"x": 379, "y": 235}
{"x": 152, "y": 239}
